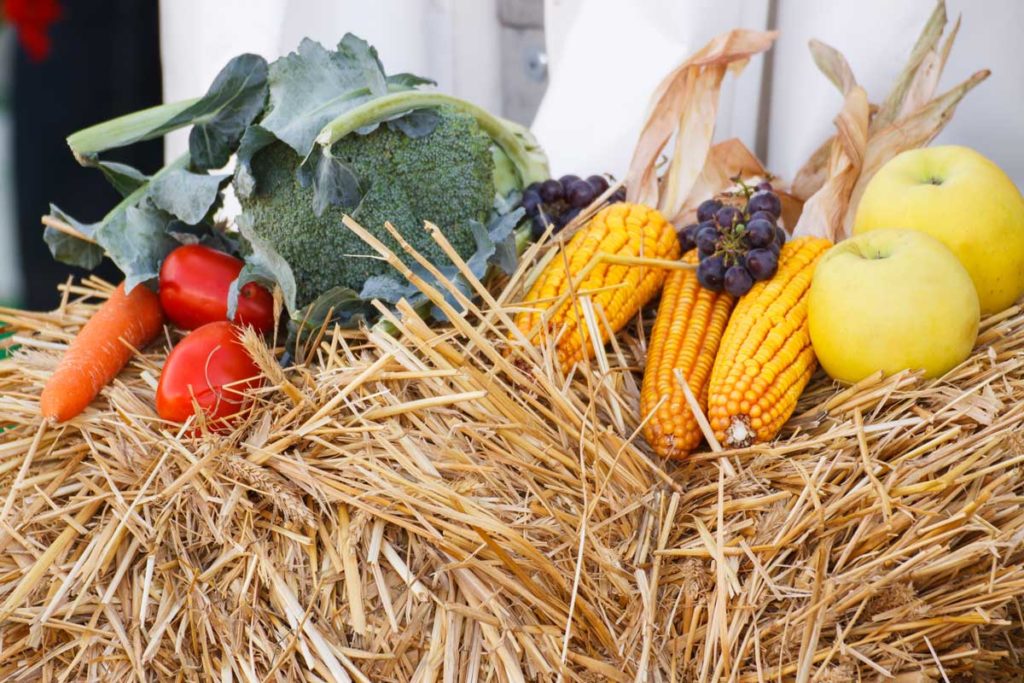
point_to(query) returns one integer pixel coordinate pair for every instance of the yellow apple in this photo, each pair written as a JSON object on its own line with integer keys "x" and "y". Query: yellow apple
{"x": 891, "y": 300}
{"x": 966, "y": 202}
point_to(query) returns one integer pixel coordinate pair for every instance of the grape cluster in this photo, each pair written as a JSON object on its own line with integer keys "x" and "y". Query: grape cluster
{"x": 737, "y": 246}
{"x": 557, "y": 202}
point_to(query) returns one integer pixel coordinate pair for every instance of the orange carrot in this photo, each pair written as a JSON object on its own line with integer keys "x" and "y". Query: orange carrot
{"x": 101, "y": 349}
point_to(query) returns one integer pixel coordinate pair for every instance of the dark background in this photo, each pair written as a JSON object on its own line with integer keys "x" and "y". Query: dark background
{"x": 105, "y": 62}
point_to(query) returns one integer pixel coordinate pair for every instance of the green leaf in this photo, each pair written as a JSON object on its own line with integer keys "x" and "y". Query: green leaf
{"x": 253, "y": 140}
{"x": 267, "y": 262}
{"x": 251, "y": 272}
{"x": 135, "y": 234}
{"x": 187, "y": 195}
{"x": 406, "y": 81}
{"x": 137, "y": 241}
{"x": 338, "y": 304}
{"x": 501, "y": 229}
{"x": 124, "y": 178}
{"x": 417, "y": 123}
{"x": 363, "y": 57}
{"x": 334, "y": 183}
{"x": 233, "y": 101}
{"x": 71, "y": 250}
{"x": 312, "y": 86}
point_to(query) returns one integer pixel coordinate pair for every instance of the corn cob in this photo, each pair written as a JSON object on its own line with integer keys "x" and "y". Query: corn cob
{"x": 686, "y": 335}
{"x": 620, "y": 290}
{"x": 765, "y": 359}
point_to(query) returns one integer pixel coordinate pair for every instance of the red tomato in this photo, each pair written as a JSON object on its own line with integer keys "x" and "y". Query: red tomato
{"x": 194, "y": 283}
{"x": 210, "y": 364}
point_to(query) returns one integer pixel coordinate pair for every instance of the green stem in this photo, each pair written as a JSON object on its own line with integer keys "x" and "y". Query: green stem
{"x": 124, "y": 130}
{"x": 531, "y": 166}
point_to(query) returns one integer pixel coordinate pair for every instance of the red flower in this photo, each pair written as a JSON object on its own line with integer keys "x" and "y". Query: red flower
{"x": 32, "y": 19}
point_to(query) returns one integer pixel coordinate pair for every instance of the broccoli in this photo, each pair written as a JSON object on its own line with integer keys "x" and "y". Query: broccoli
{"x": 315, "y": 135}
{"x": 446, "y": 177}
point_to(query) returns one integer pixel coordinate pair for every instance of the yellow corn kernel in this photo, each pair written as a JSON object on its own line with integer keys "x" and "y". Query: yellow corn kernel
{"x": 765, "y": 359}
{"x": 686, "y": 335}
{"x": 620, "y": 290}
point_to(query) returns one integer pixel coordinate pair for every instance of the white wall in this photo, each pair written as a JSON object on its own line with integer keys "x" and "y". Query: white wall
{"x": 876, "y": 36}
{"x": 455, "y": 42}
{"x": 606, "y": 56}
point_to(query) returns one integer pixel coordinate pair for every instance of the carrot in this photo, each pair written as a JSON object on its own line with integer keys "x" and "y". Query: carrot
{"x": 102, "y": 348}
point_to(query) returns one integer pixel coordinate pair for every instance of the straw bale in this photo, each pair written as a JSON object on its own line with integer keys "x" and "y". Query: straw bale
{"x": 445, "y": 504}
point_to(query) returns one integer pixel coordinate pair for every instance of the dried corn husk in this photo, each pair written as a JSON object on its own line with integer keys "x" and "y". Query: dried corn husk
{"x": 685, "y": 107}
{"x": 911, "y": 116}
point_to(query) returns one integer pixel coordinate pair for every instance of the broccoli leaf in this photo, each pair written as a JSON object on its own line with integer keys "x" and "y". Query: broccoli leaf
{"x": 251, "y": 272}
{"x": 363, "y": 57}
{"x": 187, "y": 195}
{"x": 253, "y": 140}
{"x": 136, "y": 234}
{"x": 406, "y": 80}
{"x": 501, "y": 232}
{"x": 266, "y": 262}
{"x": 334, "y": 183}
{"x": 417, "y": 123}
{"x": 71, "y": 250}
{"x": 124, "y": 178}
{"x": 338, "y": 304}
{"x": 312, "y": 86}
{"x": 137, "y": 241}
{"x": 233, "y": 101}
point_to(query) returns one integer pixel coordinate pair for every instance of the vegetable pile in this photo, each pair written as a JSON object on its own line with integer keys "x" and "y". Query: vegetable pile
{"x": 478, "y": 499}
{"x": 317, "y": 134}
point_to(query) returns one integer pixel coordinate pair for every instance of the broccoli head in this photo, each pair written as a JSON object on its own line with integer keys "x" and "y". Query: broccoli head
{"x": 445, "y": 177}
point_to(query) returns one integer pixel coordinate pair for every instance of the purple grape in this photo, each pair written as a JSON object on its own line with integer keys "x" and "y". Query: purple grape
{"x": 579, "y": 194}
{"x": 764, "y": 186}
{"x": 762, "y": 263}
{"x": 688, "y": 237}
{"x": 760, "y": 233}
{"x": 737, "y": 280}
{"x": 551, "y": 191}
{"x": 618, "y": 196}
{"x": 707, "y": 210}
{"x": 780, "y": 236}
{"x": 568, "y": 180}
{"x": 566, "y": 218}
{"x": 764, "y": 215}
{"x": 728, "y": 216}
{"x": 765, "y": 201}
{"x": 706, "y": 239}
{"x": 531, "y": 200}
{"x": 532, "y": 187}
{"x": 599, "y": 183}
{"x": 711, "y": 273}
{"x": 775, "y": 249}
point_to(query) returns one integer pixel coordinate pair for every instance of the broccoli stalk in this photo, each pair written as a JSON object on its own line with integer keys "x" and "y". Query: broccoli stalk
{"x": 514, "y": 140}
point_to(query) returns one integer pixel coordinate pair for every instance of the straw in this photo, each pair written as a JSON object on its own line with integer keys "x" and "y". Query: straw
{"x": 418, "y": 507}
